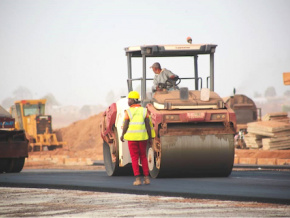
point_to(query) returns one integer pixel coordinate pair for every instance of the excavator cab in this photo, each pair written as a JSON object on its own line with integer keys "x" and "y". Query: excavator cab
{"x": 30, "y": 116}
{"x": 194, "y": 128}
{"x": 23, "y": 110}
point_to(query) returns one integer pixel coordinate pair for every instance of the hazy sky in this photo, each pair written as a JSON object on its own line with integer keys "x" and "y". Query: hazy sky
{"x": 75, "y": 49}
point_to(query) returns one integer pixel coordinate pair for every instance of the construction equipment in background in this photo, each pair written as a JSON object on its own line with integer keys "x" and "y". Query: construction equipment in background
{"x": 286, "y": 78}
{"x": 13, "y": 144}
{"x": 246, "y": 111}
{"x": 194, "y": 129}
{"x": 30, "y": 116}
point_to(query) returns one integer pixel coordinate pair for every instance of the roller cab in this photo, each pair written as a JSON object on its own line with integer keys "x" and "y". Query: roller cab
{"x": 246, "y": 111}
{"x": 194, "y": 128}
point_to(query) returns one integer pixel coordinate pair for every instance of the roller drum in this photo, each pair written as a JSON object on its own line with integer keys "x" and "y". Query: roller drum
{"x": 195, "y": 155}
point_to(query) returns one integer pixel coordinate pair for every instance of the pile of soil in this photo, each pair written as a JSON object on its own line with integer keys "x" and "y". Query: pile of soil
{"x": 83, "y": 140}
{"x": 84, "y": 137}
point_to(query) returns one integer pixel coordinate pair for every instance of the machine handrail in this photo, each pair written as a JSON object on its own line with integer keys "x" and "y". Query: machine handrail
{"x": 186, "y": 78}
{"x": 207, "y": 81}
{"x": 199, "y": 78}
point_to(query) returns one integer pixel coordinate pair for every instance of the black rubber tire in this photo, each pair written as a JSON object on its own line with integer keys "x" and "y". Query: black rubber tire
{"x": 3, "y": 164}
{"x": 112, "y": 168}
{"x": 154, "y": 171}
{"x": 15, "y": 165}
{"x": 51, "y": 147}
{"x": 36, "y": 148}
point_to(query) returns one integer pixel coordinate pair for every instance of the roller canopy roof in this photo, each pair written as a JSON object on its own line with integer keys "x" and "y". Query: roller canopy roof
{"x": 170, "y": 50}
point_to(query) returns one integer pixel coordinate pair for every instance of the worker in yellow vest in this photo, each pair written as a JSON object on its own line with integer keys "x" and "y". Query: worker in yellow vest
{"x": 137, "y": 131}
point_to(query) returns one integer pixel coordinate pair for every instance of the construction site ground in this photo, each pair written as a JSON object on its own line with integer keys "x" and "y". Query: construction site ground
{"x": 84, "y": 148}
{"x": 24, "y": 202}
{"x": 19, "y": 202}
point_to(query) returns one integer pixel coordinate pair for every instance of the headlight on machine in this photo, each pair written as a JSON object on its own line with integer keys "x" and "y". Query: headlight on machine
{"x": 171, "y": 117}
{"x": 218, "y": 116}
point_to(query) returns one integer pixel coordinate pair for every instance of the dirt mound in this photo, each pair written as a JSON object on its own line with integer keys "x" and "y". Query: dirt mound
{"x": 83, "y": 134}
{"x": 83, "y": 139}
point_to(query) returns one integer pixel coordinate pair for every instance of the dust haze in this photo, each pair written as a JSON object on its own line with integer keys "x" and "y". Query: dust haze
{"x": 73, "y": 51}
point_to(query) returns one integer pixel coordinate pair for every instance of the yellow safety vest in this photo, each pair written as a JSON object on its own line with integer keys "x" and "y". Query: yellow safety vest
{"x": 137, "y": 129}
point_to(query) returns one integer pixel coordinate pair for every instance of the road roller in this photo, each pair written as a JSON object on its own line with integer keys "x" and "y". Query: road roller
{"x": 194, "y": 128}
{"x": 246, "y": 111}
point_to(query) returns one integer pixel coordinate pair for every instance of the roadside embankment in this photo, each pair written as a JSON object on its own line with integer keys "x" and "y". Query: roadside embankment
{"x": 85, "y": 159}
{"x": 261, "y": 157}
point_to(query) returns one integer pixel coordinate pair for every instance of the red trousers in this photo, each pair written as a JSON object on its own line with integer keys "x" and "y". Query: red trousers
{"x": 138, "y": 150}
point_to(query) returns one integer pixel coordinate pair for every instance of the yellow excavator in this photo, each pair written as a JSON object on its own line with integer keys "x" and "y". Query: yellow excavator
{"x": 30, "y": 116}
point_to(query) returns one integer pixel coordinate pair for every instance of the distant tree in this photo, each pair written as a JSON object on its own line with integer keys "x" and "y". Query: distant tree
{"x": 270, "y": 92}
{"x": 287, "y": 93}
{"x": 22, "y": 93}
{"x": 85, "y": 111}
{"x": 50, "y": 100}
{"x": 8, "y": 102}
{"x": 18, "y": 94}
{"x": 257, "y": 95}
{"x": 110, "y": 98}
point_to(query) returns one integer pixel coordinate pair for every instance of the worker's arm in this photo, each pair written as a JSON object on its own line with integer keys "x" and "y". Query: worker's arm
{"x": 125, "y": 128}
{"x": 158, "y": 89}
{"x": 171, "y": 75}
{"x": 155, "y": 84}
{"x": 174, "y": 77}
{"x": 148, "y": 128}
{"x": 125, "y": 125}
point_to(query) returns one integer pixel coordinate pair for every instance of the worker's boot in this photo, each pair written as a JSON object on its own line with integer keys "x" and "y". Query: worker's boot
{"x": 137, "y": 181}
{"x": 146, "y": 180}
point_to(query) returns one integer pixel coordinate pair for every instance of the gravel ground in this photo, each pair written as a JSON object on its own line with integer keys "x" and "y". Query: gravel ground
{"x": 31, "y": 202}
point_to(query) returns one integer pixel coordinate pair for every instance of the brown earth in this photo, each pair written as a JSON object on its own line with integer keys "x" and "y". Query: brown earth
{"x": 256, "y": 153}
{"x": 84, "y": 141}
{"x": 24, "y": 202}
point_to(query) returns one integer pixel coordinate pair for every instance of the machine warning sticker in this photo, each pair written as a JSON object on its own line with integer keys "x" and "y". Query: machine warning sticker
{"x": 6, "y": 123}
{"x": 196, "y": 116}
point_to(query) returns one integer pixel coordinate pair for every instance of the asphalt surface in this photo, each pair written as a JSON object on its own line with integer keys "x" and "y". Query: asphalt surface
{"x": 260, "y": 186}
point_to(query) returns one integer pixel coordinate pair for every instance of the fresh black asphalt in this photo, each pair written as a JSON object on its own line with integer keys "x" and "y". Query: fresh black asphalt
{"x": 254, "y": 185}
